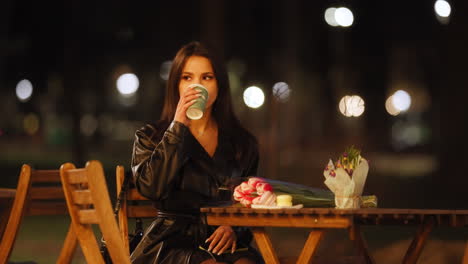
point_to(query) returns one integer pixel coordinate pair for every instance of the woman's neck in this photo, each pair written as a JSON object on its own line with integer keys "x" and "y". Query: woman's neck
{"x": 200, "y": 126}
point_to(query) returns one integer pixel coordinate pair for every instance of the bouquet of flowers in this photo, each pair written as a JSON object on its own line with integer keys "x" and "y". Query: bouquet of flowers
{"x": 263, "y": 192}
{"x": 346, "y": 178}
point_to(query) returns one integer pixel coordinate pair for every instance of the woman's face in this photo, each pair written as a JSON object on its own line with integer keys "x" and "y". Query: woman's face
{"x": 198, "y": 69}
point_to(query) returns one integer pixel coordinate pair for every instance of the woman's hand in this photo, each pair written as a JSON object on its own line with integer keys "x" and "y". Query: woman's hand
{"x": 221, "y": 239}
{"x": 185, "y": 101}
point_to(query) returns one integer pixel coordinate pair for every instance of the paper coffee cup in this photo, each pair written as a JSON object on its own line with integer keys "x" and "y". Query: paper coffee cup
{"x": 196, "y": 110}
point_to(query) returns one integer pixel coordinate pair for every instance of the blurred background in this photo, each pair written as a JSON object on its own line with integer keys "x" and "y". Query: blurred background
{"x": 308, "y": 78}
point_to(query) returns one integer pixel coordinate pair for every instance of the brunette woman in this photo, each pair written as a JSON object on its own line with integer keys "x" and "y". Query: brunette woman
{"x": 183, "y": 164}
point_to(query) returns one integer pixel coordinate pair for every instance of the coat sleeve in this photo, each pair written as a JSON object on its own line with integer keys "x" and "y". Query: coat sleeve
{"x": 156, "y": 165}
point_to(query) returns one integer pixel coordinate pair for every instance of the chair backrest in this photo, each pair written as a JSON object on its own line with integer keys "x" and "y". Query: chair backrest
{"x": 39, "y": 192}
{"x": 89, "y": 203}
{"x": 133, "y": 205}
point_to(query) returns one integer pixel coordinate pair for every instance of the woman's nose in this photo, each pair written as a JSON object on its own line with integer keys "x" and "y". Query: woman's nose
{"x": 196, "y": 80}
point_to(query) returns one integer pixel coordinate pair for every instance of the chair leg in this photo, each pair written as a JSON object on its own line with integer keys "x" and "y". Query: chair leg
{"x": 16, "y": 214}
{"x": 89, "y": 245}
{"x": 69, "y": 247}
{"x": 5, "y": 209}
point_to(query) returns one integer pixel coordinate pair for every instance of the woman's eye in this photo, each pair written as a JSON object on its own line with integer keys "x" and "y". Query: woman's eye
{"x": 186, "y": 77}
{"x": 208, "y": 77}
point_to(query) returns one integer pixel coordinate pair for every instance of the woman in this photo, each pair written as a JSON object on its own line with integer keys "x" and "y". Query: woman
{"x": 184, "y": 164}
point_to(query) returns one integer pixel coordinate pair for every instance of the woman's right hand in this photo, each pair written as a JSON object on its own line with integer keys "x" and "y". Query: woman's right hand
{"x": 185, "y": 101}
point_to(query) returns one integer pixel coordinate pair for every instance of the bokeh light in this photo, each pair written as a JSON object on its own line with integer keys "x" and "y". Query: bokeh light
{"x": 281, "y": 91}
{"x": 401, "y": 100}
{"x": 24, "y": 90}
{"x": 390, "y": 107}
{"x": 442, "y": 8}
{"x": 254, "y": 97}
{"x": 330, "y": 16}
{"x": 31, "y": 124}
{"x": 351, "y": 105}
{"x": 127, "y": 84}
{"x": 344, "y": 17}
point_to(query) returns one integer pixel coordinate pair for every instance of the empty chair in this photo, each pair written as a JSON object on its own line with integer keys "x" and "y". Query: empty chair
{"x": 132, "y": 205}
{"x": 88, "y": 203}
{"x": 39, "y": 192}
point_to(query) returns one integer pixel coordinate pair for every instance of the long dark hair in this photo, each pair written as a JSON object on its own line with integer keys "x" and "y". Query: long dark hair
{"x": 222, "y": 108}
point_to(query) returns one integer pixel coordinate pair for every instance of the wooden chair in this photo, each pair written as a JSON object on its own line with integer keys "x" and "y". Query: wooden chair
{"x": 39, "y": 192}
{"x": 134, "y": 205}
{"x": 7, "y": 195}
{"x": 88, "y": 203}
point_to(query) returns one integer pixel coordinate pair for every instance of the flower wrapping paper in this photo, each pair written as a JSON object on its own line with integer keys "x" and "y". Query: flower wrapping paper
{"x": 347, "y": 188}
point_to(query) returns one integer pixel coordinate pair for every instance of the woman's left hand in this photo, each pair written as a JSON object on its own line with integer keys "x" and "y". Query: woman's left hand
{"x": 222, "y": 239}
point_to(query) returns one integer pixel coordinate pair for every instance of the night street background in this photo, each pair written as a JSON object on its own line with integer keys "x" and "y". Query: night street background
{"x": 72, "y": 53}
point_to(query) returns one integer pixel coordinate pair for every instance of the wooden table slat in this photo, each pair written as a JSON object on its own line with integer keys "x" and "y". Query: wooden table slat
{"x": 232, "y": 210}
{"x": 307, "y": 210}
{"x": 218, "y": 210}
{"x": 261, "y": 211}
{"x": 245, "y": 210}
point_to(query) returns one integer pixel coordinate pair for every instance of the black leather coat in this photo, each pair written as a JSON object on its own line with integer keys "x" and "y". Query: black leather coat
{"x": 177, "y": 174}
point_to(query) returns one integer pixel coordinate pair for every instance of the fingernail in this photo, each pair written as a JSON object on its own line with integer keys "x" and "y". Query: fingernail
{"x": 206, "y": 240}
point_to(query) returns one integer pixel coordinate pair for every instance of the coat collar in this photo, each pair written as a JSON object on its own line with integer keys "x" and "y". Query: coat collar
{"x": 224, "y": 149}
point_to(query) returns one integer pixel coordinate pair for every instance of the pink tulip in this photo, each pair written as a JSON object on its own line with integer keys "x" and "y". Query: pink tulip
{"x": 263, "y": 187}
{"x": 247, "y": 200}
{"x": 254, "y": 181}
{"x": 238, "y": 193}
{"x": 246, "y": 188}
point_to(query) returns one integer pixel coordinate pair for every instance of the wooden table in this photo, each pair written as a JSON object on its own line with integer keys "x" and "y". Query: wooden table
{"x": 321, "y": 219}
{"x": 6, "y": 201}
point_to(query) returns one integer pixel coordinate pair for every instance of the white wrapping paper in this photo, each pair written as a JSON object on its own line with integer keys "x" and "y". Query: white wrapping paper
{"x": 347, "y": 188}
